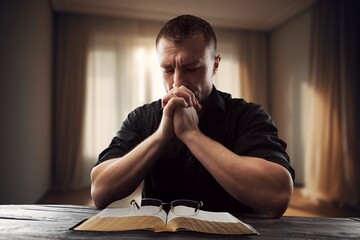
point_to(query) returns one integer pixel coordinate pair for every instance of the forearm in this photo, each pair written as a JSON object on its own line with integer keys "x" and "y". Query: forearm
{"x": 260, "y": 184}
{"x": 117, "y": 178}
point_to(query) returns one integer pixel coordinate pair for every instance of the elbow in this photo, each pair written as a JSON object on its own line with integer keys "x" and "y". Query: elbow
{"x": 278, "y": 209}
{"x": 281, "y": 200}
{"x": 98, "y": 194}
{"x": 103, "y": 192}
{"x": 98, "y": 197}
{"x": 280, "y": 205}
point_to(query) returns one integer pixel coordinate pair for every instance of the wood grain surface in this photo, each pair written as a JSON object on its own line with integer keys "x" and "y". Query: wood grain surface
{"x": 55, "y": 222}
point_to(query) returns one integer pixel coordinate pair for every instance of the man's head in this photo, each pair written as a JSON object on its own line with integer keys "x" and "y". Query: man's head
{"x": 186, "y": 26}
{"x": 186, "y": 48}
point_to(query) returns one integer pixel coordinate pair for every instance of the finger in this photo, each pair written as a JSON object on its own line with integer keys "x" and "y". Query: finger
{"x": 165, "y": 99}
{"x": 187, "y": 94}
{"x": 173, "y": 103}
{"x": 198, "y": 107}
{"x": 194, "y": 100}
{"x": 184, "y": 93}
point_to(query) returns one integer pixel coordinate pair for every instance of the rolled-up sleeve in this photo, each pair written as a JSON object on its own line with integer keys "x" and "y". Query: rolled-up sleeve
{"x": 257, "y": 136}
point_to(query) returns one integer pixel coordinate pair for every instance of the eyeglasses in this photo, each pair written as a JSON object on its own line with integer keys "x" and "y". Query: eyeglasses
{"x": 181, "y": 207}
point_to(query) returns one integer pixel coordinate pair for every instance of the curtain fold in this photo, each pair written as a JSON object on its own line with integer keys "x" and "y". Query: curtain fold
{"x": 69, "y": 98}
{"x": 246, "y": 57}
{"x": 122, "y": 74}
{"x": 254, "y": 75}
{"x": 332, "y": 155}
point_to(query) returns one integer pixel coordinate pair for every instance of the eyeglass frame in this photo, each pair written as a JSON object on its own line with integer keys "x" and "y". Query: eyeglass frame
{"x": 199, "y": 204}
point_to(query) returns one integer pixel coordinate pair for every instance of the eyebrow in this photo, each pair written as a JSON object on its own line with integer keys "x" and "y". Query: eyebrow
{"x": 191, "y": 64}
{"x": 188, "y": 64}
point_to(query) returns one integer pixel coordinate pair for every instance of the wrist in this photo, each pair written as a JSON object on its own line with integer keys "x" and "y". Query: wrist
{"x": 190, "y": 136}
{"x": 162, "y": 136}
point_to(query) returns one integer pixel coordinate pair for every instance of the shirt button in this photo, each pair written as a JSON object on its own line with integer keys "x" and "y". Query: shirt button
{"x": 190, "y": 159}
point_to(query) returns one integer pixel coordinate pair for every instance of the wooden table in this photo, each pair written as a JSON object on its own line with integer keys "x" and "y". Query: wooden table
{"x": 54, "y": 221}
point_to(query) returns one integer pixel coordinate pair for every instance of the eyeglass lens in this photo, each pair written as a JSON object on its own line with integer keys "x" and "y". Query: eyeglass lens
{"x": 147, "y": 206}
{"x": 185, "y": 207}
{"x": 152, "y": 206}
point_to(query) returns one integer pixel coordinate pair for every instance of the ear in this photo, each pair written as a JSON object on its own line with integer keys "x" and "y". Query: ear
{"x": 216, "y": 63}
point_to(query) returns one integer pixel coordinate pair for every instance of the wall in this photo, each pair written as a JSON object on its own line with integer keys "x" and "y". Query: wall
{"x": 289, "y": 65}
{"x": 25, "y": 100}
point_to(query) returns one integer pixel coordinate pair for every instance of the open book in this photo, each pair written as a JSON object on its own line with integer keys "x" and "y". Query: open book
{"x": 125, "y": 219}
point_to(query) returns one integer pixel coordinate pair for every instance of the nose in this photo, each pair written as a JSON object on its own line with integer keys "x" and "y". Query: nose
{"x": 178, "y": 78}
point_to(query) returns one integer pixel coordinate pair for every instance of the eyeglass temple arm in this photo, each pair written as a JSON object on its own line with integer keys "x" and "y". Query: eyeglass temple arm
{"x": 133, "y": 202}
{"x": 201, "y": 204}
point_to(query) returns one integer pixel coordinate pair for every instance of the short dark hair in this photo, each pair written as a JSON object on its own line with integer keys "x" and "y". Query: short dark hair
{"x": 186, "y": 26}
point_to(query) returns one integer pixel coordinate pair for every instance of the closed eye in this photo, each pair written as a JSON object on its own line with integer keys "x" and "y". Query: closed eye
{"x": 192, "y": 66}
{"x": 191, "y": 69}
{"x": 168, "y": 70}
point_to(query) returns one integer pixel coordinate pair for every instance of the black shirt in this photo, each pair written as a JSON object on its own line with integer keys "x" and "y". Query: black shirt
{"x": 244, "y": 128}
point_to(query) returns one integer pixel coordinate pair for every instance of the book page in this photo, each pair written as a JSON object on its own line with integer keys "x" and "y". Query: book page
{"x": 124, "y": 219}
{"x": 209, "y": 222}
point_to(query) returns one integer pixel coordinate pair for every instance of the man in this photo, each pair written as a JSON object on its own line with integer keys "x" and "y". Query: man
{"x": 197, "y": 142}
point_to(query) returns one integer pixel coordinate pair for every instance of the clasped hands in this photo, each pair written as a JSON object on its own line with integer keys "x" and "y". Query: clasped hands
{"x": 180, "y": 113}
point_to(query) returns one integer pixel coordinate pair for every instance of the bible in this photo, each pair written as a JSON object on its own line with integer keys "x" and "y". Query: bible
{"x": 153, "y": 218}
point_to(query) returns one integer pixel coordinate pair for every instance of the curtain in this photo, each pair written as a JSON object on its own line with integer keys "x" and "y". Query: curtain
{"x": 69, "y": 99}
{"x": 122, "y": 74}
{"x": 253, "y": 59}
{"x": 244, "y": 65}
{"x": 332, "y": 155}
{"x": 119, "y": 71}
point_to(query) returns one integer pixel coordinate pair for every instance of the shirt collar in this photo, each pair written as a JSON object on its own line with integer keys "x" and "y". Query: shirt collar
{"x": 216, "y": 101}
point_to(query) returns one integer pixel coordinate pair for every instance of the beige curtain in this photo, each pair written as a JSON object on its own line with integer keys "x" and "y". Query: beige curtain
{"x": 253, "y": 49}
{"x": 69, "y": 98}
{"x": 108, "y": 66}
{"x": 122, "y": 74}
{"x": 244, "y": 64}
{"x": 103, "y": 70}
{"x": 332, "y": 156}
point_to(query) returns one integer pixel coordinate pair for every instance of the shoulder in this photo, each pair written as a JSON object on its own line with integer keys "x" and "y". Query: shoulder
{"x": 241, "y": 107}
{"x": 154, "y": 106}
{"x": 144, "y": 119}
{"x": 146, "y": 110}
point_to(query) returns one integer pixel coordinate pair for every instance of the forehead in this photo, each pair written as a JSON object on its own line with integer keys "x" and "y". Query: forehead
{"x": 187, "y": 50}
